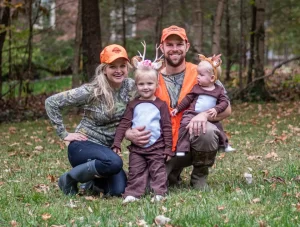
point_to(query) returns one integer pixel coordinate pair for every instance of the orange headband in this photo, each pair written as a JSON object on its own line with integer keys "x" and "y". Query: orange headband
{"x": 215, "y": 62}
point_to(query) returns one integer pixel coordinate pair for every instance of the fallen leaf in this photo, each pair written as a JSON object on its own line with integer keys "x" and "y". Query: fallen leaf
{"x": 41, "y": 188}
{"x": 161, "y": 220}
{"x": 271, "y": 155}
{"x": 90, "y": 198}
{"x": 221, "y": 207}
{"x": 266, "y": 172}
{"x": 254, "y": 157}
{"x": 51, "y": 178}
{"x": 262, "y": 224}
{"x": 13, "y": 223}
{"x": 141, "y": 223}
{"x": 46, "y": 216}
{"x": 256, "y": 200}
{"x": 90, "y": 209}
{"x": 38, "y": 148}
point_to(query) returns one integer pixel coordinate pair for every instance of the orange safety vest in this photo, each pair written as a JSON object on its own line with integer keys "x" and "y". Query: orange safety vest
{"x": 190, "y": 79}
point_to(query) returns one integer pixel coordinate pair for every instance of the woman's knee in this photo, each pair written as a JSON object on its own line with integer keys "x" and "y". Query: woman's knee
{"x": 116, "y": 165}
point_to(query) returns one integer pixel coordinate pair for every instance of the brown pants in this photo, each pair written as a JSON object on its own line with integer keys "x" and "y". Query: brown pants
{"x": 202, "y": 156}
{"x": 140, "y": 167}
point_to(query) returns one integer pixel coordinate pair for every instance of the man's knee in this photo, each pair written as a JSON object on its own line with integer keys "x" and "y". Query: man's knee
{"x": 203, "y": 158}
{"x": 206, "y": 142}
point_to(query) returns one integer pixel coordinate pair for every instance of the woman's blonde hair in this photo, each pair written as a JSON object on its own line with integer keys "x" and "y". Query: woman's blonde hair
{"x": 102, "y": 89}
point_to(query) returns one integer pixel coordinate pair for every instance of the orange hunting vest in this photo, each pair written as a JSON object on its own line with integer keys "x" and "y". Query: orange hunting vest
{"x": 190, "y": 79}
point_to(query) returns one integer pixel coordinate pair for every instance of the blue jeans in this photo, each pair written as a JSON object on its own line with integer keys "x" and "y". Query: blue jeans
{"x": 108, "y": 164}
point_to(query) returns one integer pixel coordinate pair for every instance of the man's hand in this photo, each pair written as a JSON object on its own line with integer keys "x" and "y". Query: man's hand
{"x": 222, "y": 115}
{"x": 75, "y": 136}
{"x": 198, "y": 124}
{"x": 139, "y": 136}
{"x": 167, "y": 157}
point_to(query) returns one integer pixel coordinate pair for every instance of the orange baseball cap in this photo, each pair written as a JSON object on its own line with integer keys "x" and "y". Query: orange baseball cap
{"x": 113, "y": 52}
{"x": 173, "y": 30}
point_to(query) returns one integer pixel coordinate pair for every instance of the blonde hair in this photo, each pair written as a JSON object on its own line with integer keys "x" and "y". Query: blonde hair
{"x": 138, "y": 73}
{"x": 210, "y": 68}
{"x": 102, "y": 89}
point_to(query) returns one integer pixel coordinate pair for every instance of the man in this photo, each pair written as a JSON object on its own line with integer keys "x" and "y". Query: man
{"x": 176, "y": 80}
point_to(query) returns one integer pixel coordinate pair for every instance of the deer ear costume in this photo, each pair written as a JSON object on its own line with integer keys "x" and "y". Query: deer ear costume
{"x": 139, "y": 62}
{"x": 215, "y": 62}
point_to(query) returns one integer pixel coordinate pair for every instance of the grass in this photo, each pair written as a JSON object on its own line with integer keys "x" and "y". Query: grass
{"x": 267, "y": 138}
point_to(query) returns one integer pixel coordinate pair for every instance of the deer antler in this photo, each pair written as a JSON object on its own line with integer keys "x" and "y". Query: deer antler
{"x": 144, "y": 54}
{"x": 156, "y": 54}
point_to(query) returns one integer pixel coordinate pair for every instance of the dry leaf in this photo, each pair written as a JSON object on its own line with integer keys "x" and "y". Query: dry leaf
{"x": 13, "y": 223}
{"x": 254, "y": 157}
{"x": 221, "y": 207}
{"x": 90, "y": 198}
{"x": 271, "y": 155}
{"x": 298, "y": 206}
{"x": 161, "y": 220}
{"x": 90, "y": 209}
{"x": 41, "y": 188}
{"x": 38, "y": 148}
{"x": 262, "y": 224}
{"x": 51, "y": 178}
{"x": 141, "y": 223}
{"x": 256, "y": 200}
{"x": 46, "y": 216}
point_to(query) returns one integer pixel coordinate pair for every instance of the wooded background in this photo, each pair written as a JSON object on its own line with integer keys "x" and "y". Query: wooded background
{"x": 259, "y": 40}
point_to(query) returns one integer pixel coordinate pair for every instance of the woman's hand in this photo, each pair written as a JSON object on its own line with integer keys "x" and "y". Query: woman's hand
{"x": 75, "y": 136}
{"x": 139, "y": 136}
{"x": 117, "y": 150}
{"x": 197, "y": 124}
{"x": 174, "y": 112}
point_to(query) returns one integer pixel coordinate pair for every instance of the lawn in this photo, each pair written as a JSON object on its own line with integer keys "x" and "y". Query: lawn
{"x": 267, "y": 138}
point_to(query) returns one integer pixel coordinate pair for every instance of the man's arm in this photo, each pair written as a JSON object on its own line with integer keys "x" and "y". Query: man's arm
{"x": 226, "y": 113}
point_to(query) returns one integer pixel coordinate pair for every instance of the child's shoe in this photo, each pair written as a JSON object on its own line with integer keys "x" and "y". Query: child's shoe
{"x": 229, "y": 148}
{"x": 129, "y": 199}
{"x": 180, "y": 154}
{"x": 159, "y": 198}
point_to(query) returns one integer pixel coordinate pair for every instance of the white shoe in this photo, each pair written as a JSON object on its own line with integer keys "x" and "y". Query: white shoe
{"x": 129, "y": 199}
{"x": 229, "y": 149}
{"x": 180, "y": 154}
{"x": 159, "y": 198}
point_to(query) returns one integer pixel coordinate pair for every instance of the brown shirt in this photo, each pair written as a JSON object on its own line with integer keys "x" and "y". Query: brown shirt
{"x": 190, "y": 100}
{"x": 131, "y": 114}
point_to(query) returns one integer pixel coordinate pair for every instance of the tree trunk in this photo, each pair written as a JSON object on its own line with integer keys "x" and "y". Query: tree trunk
{"x": 91, "y": 36}
{"x": 159, "y": 18}
{"x": 124, "y": 23}
{"x": 77, "y": 48}
{"x": 228, "y": 43}
{"x": 217, "y": 28}
{"x": 259, "y": 57}
{"x": 252, "y": 44}
{"x": 4, "y": 20}
{"x": 241, "y": 45}
{"x": 197, "y": 28}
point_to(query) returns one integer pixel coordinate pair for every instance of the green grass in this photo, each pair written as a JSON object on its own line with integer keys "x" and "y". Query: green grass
{"x": 273, "y": 199}
{"x": 52, "y": 85}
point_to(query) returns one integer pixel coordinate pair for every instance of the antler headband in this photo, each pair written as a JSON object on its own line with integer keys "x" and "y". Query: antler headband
{"x": 215, "y": 62}
{"x": 140, "y": 62}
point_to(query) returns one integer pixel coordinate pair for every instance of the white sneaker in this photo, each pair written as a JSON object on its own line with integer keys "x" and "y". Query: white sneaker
{"x": 180, "y": 154}
{"x": 229, "y": 149}
{"x": 159, "y": 198}
{"x": 129, "y": 199}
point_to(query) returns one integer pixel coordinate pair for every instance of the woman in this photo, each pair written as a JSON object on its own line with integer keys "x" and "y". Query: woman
{"x": 104, "y": 101}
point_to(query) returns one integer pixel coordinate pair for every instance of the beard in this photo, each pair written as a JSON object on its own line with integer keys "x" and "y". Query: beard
{"x": 178, "y": 62}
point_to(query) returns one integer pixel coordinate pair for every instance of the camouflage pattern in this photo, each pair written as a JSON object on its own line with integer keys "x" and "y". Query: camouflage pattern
{"x": 97, "y": 124}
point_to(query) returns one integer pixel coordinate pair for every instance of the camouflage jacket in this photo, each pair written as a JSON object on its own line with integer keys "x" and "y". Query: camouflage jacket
{"x": 96, "y": 124}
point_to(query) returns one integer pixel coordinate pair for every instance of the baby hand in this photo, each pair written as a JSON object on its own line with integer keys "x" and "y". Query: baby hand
{"x": 212, "y": 112}
{"x": 174, "y": 112}
{"x": 117, "y": 150}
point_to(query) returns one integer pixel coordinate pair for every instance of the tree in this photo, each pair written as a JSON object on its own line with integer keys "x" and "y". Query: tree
{"x": 217, "y": 27}
{"x": 4, "y": 20}
{"x": 197, "y": 26}
{"x": 77, "y": 48}
{"x": 228, "y": 43}
{"x": 252, "y": 43}
{"x": 91, "y": 38}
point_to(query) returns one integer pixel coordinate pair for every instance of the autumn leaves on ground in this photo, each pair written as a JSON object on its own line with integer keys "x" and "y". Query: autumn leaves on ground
{"x": 267, "y": 138}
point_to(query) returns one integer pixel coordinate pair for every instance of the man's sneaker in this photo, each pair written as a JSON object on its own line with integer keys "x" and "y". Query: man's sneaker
{"x": 180, "y": 154}
{"x": 129, "y": 199}
{"x": 229, "y": 148}
{"x": 159, "y": 198}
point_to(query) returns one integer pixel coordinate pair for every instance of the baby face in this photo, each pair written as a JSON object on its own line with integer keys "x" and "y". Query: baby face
{"x": 205, "y": 77}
